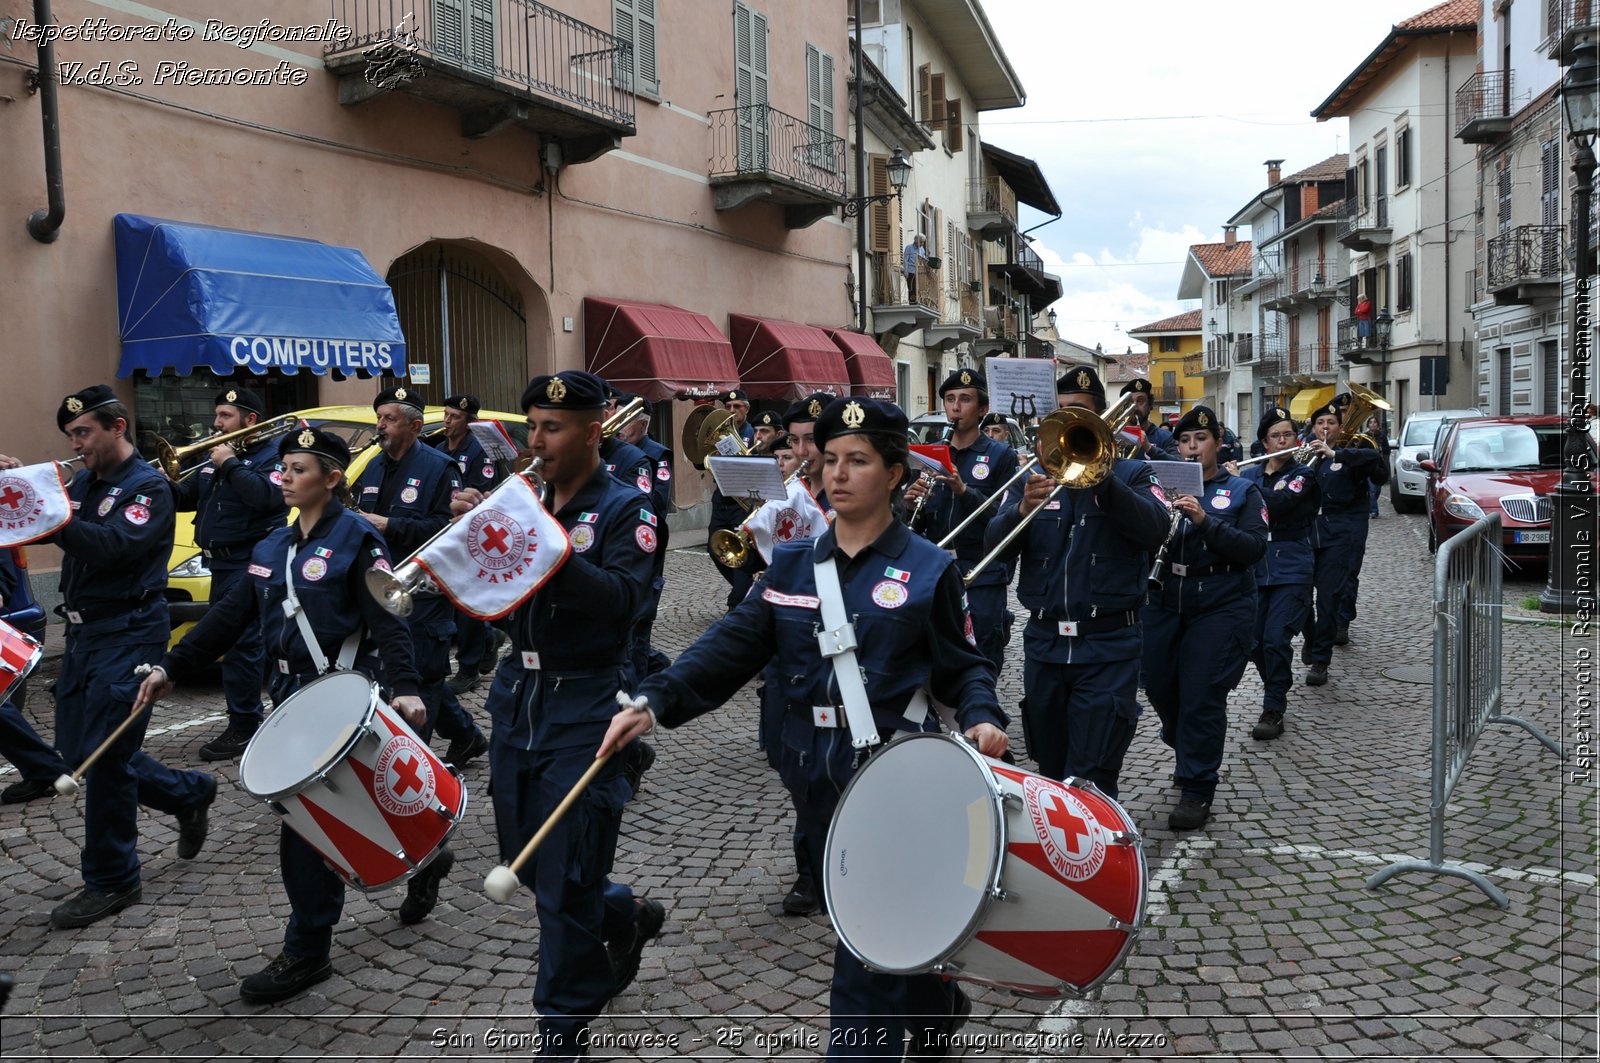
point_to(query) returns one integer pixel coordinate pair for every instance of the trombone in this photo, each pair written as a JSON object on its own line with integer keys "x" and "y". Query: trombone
{"x": 171, "y": 458}
{"x": 1076, "y": 448}
{"x": 622, "y": 418}
{"x": 1055, "y": 426}
{"x": 396, "y": 591}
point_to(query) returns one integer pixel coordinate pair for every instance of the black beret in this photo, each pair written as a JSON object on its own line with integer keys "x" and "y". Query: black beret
{"x": 1201, "y": 418}
{"x": 1274, "y": 415}
{"x": 245, "y": 399}
{"x": 965, "y": 378}
{"x": 767, "y": 419}
{"x": 1332, "y": 409}
{"x": 467, "y": 404}
{"x": 781, "y": 441}
{"x": 1081, "y": 380}
{"x": 315, "y": 441}
{"x": 807, "y": 409}
{"x": 857, "y": 416}
{"x": 570, "y": 389}
{"x": 402, "y": 395}
{"x": 1138, "y": 384}
{"x": 1343, "y": 399}
{"x": 735, "y": 395}
{"x": 992, "y": 419}
{"x": 79, "y": 403}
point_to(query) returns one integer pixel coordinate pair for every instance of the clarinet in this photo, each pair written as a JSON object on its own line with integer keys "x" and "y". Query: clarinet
{"x": 1154, "y": 582}
{"x": 924, "y": 478}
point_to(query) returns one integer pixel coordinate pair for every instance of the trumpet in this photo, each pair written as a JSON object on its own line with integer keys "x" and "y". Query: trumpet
{"x": 624, "y": 416}
{"x": 171, "y": 458}
{"x": 732, "y": 548}
{"x": 396, "y": 591}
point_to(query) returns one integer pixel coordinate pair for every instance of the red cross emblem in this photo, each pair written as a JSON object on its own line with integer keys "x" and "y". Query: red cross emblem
{"x": 1059, "y": 816}
{"x": 494, "y": 538}
{"x": 407, "y": 777}
{"x": 11, "y": 498}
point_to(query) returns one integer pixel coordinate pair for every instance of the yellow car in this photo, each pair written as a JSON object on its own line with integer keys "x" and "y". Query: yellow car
{"x": 188, "y": 579}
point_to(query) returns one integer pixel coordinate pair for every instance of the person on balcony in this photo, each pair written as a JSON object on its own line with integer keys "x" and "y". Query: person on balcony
{"x": 1363, "y": 312}
{"x": 916, "y": 252}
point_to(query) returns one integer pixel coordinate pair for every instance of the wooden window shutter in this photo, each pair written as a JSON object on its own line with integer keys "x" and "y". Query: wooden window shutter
{"x": 635, "y": 22}
{"x": 924, "y": 92}
{"x": 953, "y": 127}
{"x": 936, "y": 116}
{"x": 952, "y": 248}
{"x": 878, "y": 220}
{"x": 936, "y": 246}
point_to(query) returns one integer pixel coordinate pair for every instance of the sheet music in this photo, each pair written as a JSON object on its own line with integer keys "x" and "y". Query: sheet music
{"x": 1021, "y": 387}
{"x": 491, "y": 435}
{"x": 1180, "y": 477}
{"x": 756, "y": 477}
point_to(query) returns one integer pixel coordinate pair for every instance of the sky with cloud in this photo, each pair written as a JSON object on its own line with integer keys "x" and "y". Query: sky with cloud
{"x": 1152, "y": 122}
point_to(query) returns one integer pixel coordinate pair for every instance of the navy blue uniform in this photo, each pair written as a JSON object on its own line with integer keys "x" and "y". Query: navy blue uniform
{"x": 983, "y": 467}
{"x": 904, "y": 597}
{"x": 479, "y": 473}
{"x": 1084, "y": 558}
{"x": 114, "y": 568}
{"x": 1284, "y": 574}
{"x": 645, "y": 657}
{"x": 329, "y": 573}
{"x": 33, "y": 757}
{"x": 1159, "y": 444}
{"x": 235, "y": 507}
{"x": 1341, "y": 540}
{"x": 414, "y": 493}
{"x": 1198, "y": 627}
{"x": 552, "y": 699}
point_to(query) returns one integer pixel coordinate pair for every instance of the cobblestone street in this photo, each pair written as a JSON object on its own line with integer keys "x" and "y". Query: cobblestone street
{"x": 1261, "y": 936}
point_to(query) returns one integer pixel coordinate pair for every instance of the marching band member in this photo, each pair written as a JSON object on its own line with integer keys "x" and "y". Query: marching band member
{"x": 551, "y": 701}
{"x": 1158, "y": 442}
{"x": 35, "y": 759}
{"x": 905, "y": 599}
{"x": 327, "y": 552}
{"x": 994, "y": 426}
{"x": 237, "y": 502}
{"x": 982, "y": 465}
{"x": 1197, "y": 627}
{"x": 1341, "y": 534}
{"x": 799, "y": 423}
{"x": 1284, "y": 574}
{"x": 737, "y": 402}
{"x": 767, "y": 424}
{"x": 114, "y": 568}
{"x": 477, "y": 641}
{"x": 646, "y": 658}
{"x": 1084, "y": 559}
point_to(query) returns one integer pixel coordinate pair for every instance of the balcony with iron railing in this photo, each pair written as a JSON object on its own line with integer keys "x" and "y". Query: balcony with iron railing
{"x": 527, "y": 66}
{"x": 1194, "y": 364}
{"x": 1272, "y": 292}
{"x": 1024, "y": 269}
{"x": 1166, "y": 393}
{"x": 1364, "y": 224}
{"x": 903, "y": 304}
{"x": 991, "y": 206}
{"x": 759, "y": 154}
{"x": 1568, "y": 22}
{"x": 1218, "y": 356}
{"x": 1483, "y": 107}
{"x": 1304, "y": 359}
{"x": 960, "y": 319}
{"x": 1525, "y": 264}
{"x": 1244, "y": 349}
{"x": 1271, "y": 356}
{"x": 1002, "y": 332}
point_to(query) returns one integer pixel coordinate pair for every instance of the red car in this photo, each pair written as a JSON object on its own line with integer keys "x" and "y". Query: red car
{"x": 1504, "y": 464}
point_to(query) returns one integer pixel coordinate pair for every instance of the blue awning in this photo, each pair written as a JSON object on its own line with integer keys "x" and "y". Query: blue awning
{"x": 222, "y": 299}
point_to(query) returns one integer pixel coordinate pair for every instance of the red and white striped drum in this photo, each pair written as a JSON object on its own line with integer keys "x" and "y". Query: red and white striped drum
{"x": 941, "y": 859}
{"x": 20, "y": 654}
{"x": 349, "y": 776}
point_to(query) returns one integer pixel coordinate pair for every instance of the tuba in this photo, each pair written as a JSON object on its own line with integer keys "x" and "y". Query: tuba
{"x": 1363, "y": 403}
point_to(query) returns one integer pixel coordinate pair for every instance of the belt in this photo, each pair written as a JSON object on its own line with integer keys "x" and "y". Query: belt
{"x": 227, "y": 553}
{"x": 1295, "y": 535}
{"x": 828, "y": 717}
{"x": 1195, "y": 571}
{"x": 1095, "y": 625}
{"x": 101, "y": 610}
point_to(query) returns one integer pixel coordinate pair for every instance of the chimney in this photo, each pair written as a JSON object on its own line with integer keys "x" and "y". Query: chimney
{"x": 1274, "y": 171}
{"x": 1230, "y": 235}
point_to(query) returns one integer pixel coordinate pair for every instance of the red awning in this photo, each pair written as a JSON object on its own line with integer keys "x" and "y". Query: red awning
{"x": 785, "y": 359}
{"x": 870, "y": 368}
{"x": 655, "y": 350}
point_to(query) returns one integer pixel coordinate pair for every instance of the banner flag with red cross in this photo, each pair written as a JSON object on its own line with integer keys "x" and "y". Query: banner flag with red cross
{"x": 796, "y": 517}
{"x": 33, "y": 504}
{"x": 499, "y": 554}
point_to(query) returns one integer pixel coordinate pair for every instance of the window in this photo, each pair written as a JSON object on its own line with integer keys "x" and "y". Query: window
{"x": 871, "y": 12}
{"x": 634, "y": 21}
{"x": 1402, "y": 157}
{"x": 1402, "y": 283}
{"x": 1380, "y": 298}
{"x": 1169, "y": 345}
{"x": 1503, "y": 194}
{"x": 819, "y": 109}
{"x": 924, "y": 91}
{"x": 750, "y": 86}
{"x": 463, "y": 31}
{"x": 952, "y": 125}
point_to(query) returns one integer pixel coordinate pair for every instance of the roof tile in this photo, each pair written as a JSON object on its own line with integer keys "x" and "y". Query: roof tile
{"x": 1188, "y": 321}
{"x": 1223, "y": 260}
{"x": 1450, "y": 15}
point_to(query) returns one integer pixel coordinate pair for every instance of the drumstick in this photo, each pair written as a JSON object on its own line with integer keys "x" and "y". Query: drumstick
{"x": 68, "y": 784}
{"x": 501, "y": 883}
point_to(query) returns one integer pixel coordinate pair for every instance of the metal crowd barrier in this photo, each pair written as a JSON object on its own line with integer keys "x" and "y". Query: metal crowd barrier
{"x": 1467, "y": 621}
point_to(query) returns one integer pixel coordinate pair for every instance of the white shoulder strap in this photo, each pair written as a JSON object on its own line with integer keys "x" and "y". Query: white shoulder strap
{"x": 837, "y": 641}
{"x": 291, "y": 607}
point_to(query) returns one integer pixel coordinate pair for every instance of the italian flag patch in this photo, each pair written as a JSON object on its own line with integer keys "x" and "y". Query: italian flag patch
{"x": 898, "y": 573}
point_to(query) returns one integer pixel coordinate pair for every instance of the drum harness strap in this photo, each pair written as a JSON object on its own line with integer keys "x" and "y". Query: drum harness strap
{"x": 291, "y": 607}
{"x": 836, "y": 639}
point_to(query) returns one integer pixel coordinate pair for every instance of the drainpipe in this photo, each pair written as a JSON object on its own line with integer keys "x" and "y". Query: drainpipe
{"x": 861, "y": 180}
{"x": 45, "y": 225}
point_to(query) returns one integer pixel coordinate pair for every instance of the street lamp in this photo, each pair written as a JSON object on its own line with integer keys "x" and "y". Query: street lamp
{"x": 899, "y": 167}
{"x": 1051, "y": 317}
{"x": 1572, "y": 503}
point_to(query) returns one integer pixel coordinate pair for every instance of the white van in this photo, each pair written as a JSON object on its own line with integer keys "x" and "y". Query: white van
{"x": 1408, "y": 484}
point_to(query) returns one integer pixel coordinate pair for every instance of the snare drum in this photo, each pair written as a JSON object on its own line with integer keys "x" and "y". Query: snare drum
{"x": 941, "y": 859}
{"x": 349, "y": 776}
{"x": 20, "y": 654}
